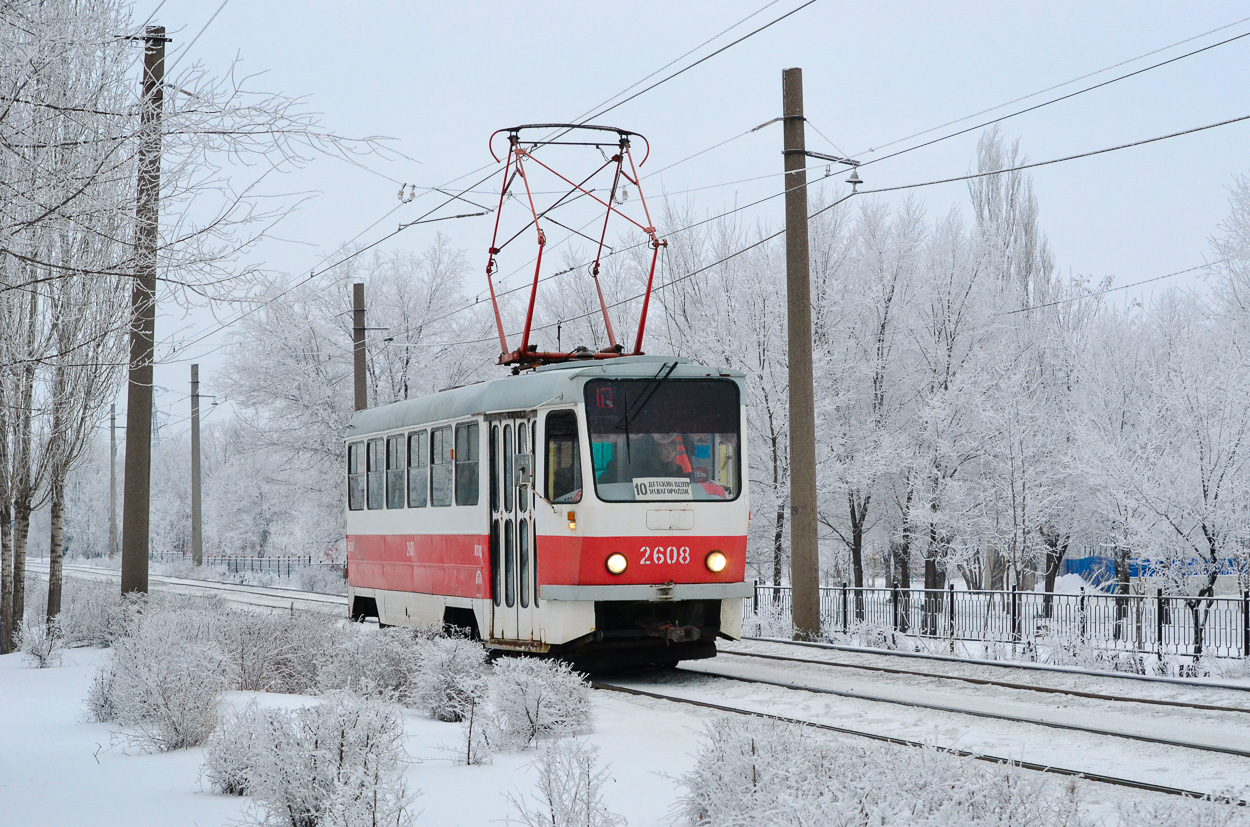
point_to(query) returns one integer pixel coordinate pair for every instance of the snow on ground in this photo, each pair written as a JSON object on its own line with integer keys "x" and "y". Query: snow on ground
{"x": 56, "y": 770}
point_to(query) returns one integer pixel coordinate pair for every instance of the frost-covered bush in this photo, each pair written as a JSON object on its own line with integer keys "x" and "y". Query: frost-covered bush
{"x": 320, "y": 579}
{"x": 1204, "y": 813}
{"x": 41, "y": 643}
{"x": 569, "y": 790}
{"x": 163, "y": 682}
{"x": 380, "y": 663}
{"x": 756, "y": 771}
{"x": 93, "y": 613}
{"x": 534, "y": 698}
{"x": 276, "y": 652}
{"x": 769, "y": 620}
{"x": 476, "y": 730}
{"x": 337, "y": 763}
{"x": 232, "y": 751}
{"x": 450, "y": 676}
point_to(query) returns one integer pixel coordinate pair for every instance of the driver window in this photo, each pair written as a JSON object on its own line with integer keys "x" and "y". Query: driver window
{"x": 563, "y": 458}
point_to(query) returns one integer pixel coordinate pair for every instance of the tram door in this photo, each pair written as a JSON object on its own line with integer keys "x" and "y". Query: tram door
{"x": 512, "y": 529}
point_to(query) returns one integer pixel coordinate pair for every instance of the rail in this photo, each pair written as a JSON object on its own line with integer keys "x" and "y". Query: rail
{"x": 1148, "y": 624}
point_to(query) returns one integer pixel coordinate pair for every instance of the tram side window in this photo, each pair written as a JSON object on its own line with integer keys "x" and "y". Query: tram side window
{"x": 395, "y": 471}
{"x": 356, "y": 476}
{"x": 467, "y": 452}
{"x": 564, "y": 459}
{"x": 376, "y": 476}
{"x": 442, "y": 471}
{"x": 418, "y": 469}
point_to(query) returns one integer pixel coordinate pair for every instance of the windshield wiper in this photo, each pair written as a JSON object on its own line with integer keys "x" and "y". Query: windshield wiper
{"x": 633, "y": 410}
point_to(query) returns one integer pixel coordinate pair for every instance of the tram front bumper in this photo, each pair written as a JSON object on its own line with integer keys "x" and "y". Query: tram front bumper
{"x": 662, "y": 592}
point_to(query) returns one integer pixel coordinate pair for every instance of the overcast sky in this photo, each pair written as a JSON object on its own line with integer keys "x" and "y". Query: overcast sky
{"x": 440, "y": 77}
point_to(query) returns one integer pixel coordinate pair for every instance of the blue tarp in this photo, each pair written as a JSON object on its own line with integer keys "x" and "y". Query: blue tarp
{"x": 1101, "y": 570}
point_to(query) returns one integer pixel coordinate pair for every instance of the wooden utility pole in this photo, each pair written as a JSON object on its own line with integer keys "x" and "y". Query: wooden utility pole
{"x": 197, "y": 523}
{"x": 137, "y": 491}
{"x": 804, "y": 551}
{"x": 112, "y": 481}
{"x": 358, "y": 345}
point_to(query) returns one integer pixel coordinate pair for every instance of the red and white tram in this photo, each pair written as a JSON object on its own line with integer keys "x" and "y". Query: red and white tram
{"x": 592, "y": 509}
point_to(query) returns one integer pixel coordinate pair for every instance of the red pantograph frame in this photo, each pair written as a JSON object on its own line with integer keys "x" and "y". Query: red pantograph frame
{"x": 528, "y": 355}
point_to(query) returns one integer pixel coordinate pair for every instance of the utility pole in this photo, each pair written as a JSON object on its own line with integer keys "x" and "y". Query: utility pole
{"x": 112, "y": 481}
{"x": 197, "y": 523}
{"x": 137, "y": 492}
{"x": 804, "y": 551}
{"x": 358, "y": 345}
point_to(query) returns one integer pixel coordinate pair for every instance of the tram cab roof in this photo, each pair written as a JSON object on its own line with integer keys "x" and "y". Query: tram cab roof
{"x": 549, "y": 384}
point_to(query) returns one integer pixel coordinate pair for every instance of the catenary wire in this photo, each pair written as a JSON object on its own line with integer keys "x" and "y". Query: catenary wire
{"x": 1106, "y": 290}
{"x": 967, "y": 177}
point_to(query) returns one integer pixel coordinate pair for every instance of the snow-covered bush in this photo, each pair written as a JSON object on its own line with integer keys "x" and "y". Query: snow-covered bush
{"x": 450, "y": 675}
{"x": 569, "y": 790}
{"x": 534, "y": 698}
{"x": 756, "y": 771}
{"x": 163, "y": 682}
{"x": 336, "y": 763}
{"x": 231, "y": 752}
{"x": 320, "y": 579}
{"x": 307, "y": 637}
{"x": 769, "y": 620}
{"x": 93, "y": 613}
{"x": 380, "y": 663}
{"x": 41, "y": 643}
{"x": 276, "y": 652}
{"x": 1203, "y": 813}
{"x": 476, "y": 732}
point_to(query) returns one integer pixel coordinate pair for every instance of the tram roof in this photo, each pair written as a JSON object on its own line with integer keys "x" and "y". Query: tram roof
{"x": 549, "y": 384}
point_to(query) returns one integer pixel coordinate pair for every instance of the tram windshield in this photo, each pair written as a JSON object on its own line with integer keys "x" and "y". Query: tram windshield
{"x": 659, "y": 439}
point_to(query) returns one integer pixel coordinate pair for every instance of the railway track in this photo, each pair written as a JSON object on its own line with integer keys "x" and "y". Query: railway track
{"x": 1024, "y": 687}
{"x": 266, "y": 597}
{"x": 1009, "y": 665}
{"x": 889, "y": 739}
{"x": 1050, "y": 768}
{"x": 976, "y": 713}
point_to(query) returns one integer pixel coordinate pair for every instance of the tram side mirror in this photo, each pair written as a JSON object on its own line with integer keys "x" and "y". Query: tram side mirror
{"x": 524, "y": 470}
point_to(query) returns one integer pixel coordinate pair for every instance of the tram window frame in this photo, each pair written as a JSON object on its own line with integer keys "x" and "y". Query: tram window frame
{"x": 702, "y": 416}
{"x": 468, "y": 468}
{"x": 375, "y": 474}
{"x": 418, "y": 469}
{"x": 355, "y": 476}
{"x": 396, "y": 471}
{"x": 442, "y": 452}
{"x": 556, "y": 439}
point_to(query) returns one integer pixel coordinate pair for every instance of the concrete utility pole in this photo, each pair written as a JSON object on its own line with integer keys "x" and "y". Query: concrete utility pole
{"x": 197, "y": 523}
{"x": 804, "y": 551}
{"x": 135, "y": 514}
{"x": 358, "y": 345}
{"x": 112, "y": 481}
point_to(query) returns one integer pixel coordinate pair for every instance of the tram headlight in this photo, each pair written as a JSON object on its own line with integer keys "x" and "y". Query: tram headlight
{"x": 617, "y": 563}
{"x": 715, "y": 562}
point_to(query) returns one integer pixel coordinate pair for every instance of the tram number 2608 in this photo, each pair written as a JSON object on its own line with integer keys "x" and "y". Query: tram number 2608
{"x": 671, "y": 555}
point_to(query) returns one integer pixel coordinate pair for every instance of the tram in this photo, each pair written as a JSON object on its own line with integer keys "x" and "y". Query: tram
{"x": 591, "y": 509}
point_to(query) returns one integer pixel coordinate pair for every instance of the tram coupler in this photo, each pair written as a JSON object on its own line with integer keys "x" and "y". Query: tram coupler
{"x": 679, "y": 634}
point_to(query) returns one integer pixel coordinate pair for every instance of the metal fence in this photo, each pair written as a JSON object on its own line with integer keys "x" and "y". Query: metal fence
{"x": 277, "y": 566}
{"x": 280, "y": 566}
{"x": 1156, "y": 623}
